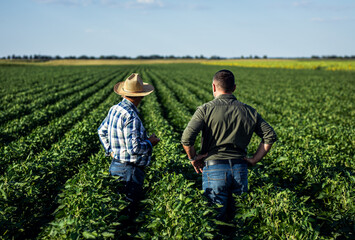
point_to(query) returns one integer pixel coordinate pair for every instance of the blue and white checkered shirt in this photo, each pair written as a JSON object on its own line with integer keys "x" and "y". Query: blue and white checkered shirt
{"x": 123, "y": 134}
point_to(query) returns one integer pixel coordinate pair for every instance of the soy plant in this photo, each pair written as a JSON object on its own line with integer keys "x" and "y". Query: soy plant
{"x": 89, "y": 206}
{"x": 176, "y": 210}
{"x": 269, "y": 212}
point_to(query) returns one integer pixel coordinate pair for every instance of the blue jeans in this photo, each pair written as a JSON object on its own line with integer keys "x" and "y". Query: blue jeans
{"x": 132, "y": 178}
{"x": 220, "y": 182}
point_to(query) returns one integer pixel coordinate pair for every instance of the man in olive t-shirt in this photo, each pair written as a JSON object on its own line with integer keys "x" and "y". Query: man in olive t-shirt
{"x": 227, "y": 126}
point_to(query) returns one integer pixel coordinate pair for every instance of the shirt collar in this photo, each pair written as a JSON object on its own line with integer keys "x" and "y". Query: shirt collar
{"x": 130, "y": 104}
{"x": 226, "y": 96}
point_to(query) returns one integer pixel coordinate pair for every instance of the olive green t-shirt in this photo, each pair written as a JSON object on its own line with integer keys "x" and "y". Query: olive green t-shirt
{"x": 227, "y": 126}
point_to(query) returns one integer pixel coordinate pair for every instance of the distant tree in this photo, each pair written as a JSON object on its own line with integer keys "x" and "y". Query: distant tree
{"x": 83, "y": 57}
{"x": 315, "y": 57}
{"x": 215, "y": 57}
{"x": 155, "y": 56}
{"x": 141, "y": 57}
{"x": 265, "y": 56}
{"x": 200, "y": 57}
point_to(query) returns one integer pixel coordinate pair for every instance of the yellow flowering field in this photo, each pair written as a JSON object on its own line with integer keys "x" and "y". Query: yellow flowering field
{"x": 332, "y": 65}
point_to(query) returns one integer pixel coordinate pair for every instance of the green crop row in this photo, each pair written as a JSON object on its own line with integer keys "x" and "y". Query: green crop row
{"x": 89, "y": 205}
{"x": 48, "y": 97}
{"x": 303, "y": 189}
{"x": 174, "y": 208}
{"x": 42, "y": 137}
{"x": 24, "y": 125}
{"x": 30, "y": 187}
{"x": 320, "y": 161}
{"x": 21, "y": 84}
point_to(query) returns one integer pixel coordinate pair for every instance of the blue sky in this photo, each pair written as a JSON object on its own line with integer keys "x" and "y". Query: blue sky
{"x": 226, "y": 28}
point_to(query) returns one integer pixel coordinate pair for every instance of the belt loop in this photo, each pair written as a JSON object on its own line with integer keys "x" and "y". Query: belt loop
{"x": 230, "y": 163}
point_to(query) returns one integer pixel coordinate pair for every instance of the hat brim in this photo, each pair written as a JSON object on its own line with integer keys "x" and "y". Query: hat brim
{"x": 147, "y": 89}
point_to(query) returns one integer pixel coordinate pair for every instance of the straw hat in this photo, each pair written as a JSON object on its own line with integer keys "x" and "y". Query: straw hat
{"x": 133, "y": 86}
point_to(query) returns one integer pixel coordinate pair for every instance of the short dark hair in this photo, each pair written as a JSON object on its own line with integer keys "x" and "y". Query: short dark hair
{"x": 225, "y": 80}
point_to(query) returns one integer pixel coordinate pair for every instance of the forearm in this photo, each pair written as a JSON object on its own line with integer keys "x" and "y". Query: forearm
{"x": 190, "y": 151}
{"x": 197, "y": 161}
{"x": 262, "y": 150}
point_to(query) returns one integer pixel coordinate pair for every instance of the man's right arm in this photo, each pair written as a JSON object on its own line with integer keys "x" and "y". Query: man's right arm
{"x": 188, "y": 139}
{"x": 193, "y": 128}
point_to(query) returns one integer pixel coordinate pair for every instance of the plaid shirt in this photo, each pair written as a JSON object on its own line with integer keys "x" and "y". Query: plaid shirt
{"x": 123, "y": 134}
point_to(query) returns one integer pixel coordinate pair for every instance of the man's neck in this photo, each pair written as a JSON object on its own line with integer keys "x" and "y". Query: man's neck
{"x": 218, "y": 93}
{"x": 134, "y": 100}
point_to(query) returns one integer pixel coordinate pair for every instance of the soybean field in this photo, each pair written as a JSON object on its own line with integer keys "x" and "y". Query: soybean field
{"x": 54, "y": 180}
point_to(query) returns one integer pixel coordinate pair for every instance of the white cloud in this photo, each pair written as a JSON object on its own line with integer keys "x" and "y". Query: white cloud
{"x": 146, "y": 1}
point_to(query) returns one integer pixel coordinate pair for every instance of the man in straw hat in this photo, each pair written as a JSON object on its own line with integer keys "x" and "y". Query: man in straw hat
{"x": 125, "y": 139}
{"x": 227, "y": 126}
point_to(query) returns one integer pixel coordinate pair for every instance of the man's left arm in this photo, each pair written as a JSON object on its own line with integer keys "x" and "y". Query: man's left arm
{"x": 268, "y": 136}
{"x": 137, "y": 144}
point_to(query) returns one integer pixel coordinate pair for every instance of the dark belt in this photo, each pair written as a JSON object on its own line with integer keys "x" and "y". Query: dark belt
{"x": 129, "y": 163}
{"x": 225, "y": 161}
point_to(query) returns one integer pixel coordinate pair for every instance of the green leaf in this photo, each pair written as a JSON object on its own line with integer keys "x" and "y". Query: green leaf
{"x": 108, "y": 234}
{"x": 88, "y": 235}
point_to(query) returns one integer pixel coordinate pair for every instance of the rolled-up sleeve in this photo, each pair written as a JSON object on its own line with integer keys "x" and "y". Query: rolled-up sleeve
{"x": 193, "y": 128}
{"x": 265, "y": 131}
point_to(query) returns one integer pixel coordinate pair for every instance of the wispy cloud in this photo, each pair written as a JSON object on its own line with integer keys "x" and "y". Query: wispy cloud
{"x": 66, "y": 2}
{"x": 145, "y": 4}
{"x": 332, "y": 19}
{"x": 303, "y": 3}
{"x": 129, "y": 4}
{"x": 317, "y": 19}
{"x": 313, "y": 5}
{"x": 89, "y": 30}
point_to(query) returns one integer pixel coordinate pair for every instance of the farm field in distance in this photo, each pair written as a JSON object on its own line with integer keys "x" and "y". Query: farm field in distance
{"x": 54, "y": 181}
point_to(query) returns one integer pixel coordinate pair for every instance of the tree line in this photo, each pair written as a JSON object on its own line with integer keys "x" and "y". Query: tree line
{"x": 38, "y": 57}
{"x": 57, "y": 57}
